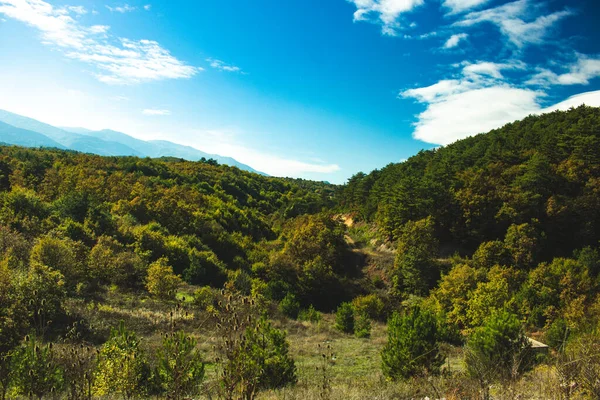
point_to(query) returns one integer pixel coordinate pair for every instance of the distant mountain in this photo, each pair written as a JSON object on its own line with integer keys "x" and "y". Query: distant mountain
{"x": 105, "y": 142}
{"x": 12, "y": 135}
{"x": 69, "y": 140}
{"x": 161, "y": 148}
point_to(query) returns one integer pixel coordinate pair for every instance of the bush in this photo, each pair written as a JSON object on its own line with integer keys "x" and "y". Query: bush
{"x": 372, "y": 305}
{"x": 180, "y": 369}
{"x": 310, "y": 314}
{"x": 36, "y": 372}
{"x": 344, "y": 318}
{"x": 289, "y": 306}
{"x": 412, "y": 346}
{"x": 161, "y": 281}
{"x": 204, "y": 297}
{"x": 268, "y": 347}
{"x": 122, "y": 366}
{"x": 498, "y": 350}
{"x": 362, "y": 326}
{"x": 252, "y": 354}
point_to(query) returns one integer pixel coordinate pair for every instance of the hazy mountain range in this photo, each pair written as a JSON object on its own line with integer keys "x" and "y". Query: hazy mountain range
{"x": 23, "y": 131}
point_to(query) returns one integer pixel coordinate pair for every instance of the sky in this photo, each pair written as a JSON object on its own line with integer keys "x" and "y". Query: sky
{"x": 317, "y": 89}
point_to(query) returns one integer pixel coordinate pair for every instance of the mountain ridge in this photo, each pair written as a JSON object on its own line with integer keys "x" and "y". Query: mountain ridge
{"x": 104, "y": 142}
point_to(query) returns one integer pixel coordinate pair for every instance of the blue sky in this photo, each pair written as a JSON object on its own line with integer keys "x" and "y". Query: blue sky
{"x": 319, "y": 89}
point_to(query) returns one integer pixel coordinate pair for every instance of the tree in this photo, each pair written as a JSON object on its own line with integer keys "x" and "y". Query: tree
{"x": 63, "y": 255}
{"x": 180, "y": 368}
{"x": 161, "y": 281}
{"x": 36, "y": 371}
{"x": 13, "y": 324}
{"x": 122, "y": 366}
{"x": 44, "y": 289}
{"x": 412, "y": 347}
{"x": 498, "y": 351}
{"x": 344, "y": 318}
{"x": 523, "y": 244}
{"x": 289, "y": 306}
{"x": 415, "y": 265}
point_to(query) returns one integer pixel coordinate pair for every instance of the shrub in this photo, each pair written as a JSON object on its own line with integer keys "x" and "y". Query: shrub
{"x": 268, "y": 347}
{"x": 204, "y": 297}
{"x": 252, "y": 354}
{"x": 344, "y": 318}
{"x": 36, "y": 371}
{"x": 78, "y": 363}
{"x": 180, "y": 369}
{"x": 161, "y": 281}
{"x": 310, "y": 314}
{"x": 122, "y": 366}
{"x": 412, "y": 346}
{"x": 289, "y": 306}
{"x": 372, "y": 305}
{"x": 498, "y": 350}
{"x": 362, "y": 326}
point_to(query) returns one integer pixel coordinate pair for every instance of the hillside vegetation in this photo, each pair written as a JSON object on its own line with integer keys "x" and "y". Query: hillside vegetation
{"x": 130, "y": 277}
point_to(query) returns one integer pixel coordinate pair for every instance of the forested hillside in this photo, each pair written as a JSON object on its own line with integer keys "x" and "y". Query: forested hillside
{"x": 132, "y": 278}
{"x": 543, "y": 171}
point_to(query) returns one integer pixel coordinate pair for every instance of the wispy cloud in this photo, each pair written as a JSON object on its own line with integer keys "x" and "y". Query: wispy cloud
{"x": 118, "y": 60}
{"x": 125, "y": 8}
{"x": 147, "y": 7}
{"x": 222, "y": 66}
{"x": 77, "y": 10}
{"x": 384, "y": 12}
{"x": 520, "y": 21}
{"x": 454, "y": 40}
{"x": 155, "y": 112}
{"x": 579, "y": 72}
{"x": 458, "y": 6}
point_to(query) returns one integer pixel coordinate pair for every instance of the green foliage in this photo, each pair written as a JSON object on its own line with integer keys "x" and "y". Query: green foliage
{"x": 161, "y": 281}
{"x": 543, "y": 167}
{"x": 13, "y": 323}
{"x": 252, "y": 354}
{"x": 415, "y": 265}
{"x": 522, "y": 242}
{"x": 62, "y": 255}
{"x": 489, "y": 254}
{"x": 36, "y": 370}
{"x": 412, "y": 347}
{"x": 498, "y": 350}
{"x": 122, "y": 366}
{"x": 110, "y": 262}
{"x": 180, "y": 369}
{"x": 362, "y": 325}
{"x": 44, "y": 292}
{"x": 310, "y": 314}
{"x": 344, "y": 318}
{"x": 289, "y": 306}
{"x": 371, "y": 305}
{"x": 204, "y": 298}
{"x": 268, "y": 348}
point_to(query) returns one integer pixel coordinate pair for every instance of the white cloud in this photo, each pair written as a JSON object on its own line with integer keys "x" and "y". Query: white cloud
{"x": 125, "y": 8}
{"x": 588, "y": 98}
{"x": 467, "y": 113}
{"x": 80, "y": 10}
{"x": 454, "y": 40}
{"x": 518, "y": 21}
{"x": 383, "y": 12}
{"x": 121, "y": 61}
{"x": 490, "y": 69}
{"x": 155, "y": 112}
{"x": 458, "y": 6}
{"x": 222, "y": 66}
{"x": 147, "y": 7}
{"x": 580, "y": 72}
{"x": 476, "y": 102}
